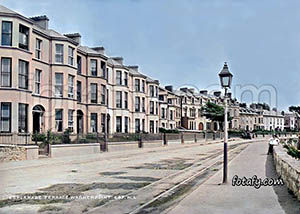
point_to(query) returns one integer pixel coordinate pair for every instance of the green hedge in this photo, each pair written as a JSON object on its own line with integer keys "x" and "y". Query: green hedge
{"x": 163, "y": 130}
{"x": 292, "y": 151}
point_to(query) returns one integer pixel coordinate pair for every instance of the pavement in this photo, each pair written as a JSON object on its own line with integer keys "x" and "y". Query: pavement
{"x": 213, "y": 198}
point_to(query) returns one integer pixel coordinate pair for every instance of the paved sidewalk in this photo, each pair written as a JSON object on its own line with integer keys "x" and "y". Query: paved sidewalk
{"x": 211, "y": 198}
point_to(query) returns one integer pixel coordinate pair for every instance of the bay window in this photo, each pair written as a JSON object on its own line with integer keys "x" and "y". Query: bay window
{"x": 23, "y": 74}
{"x": 23, "y": 37}
{"x": 59, "y": 53}
{"x": 6, "y": 72}
{"x": 23, "y": 115}
{"x": 59, "y": 84}
{"x": 6, "y": 37}
{"x": 59, "y": 120}
{"x": 5, "y": 117}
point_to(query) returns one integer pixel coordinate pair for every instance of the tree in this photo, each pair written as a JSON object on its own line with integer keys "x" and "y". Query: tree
{"x": 265, "y": 106}
{"x": 214, "y": 112}
{"x": 294, "y": 109}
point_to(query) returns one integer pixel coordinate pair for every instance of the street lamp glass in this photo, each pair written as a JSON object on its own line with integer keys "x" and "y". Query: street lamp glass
{"x": 225, "y": 77}
{"x": 226, "y": 81}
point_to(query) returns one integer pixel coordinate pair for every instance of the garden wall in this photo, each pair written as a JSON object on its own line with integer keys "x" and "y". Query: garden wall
{"x": 62, "y": 150}
{"x": 17, "y": 153}
{"x": 288, "y": 168}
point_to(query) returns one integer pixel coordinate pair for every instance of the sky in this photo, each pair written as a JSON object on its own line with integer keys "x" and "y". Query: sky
{"x": 185, "y": 43}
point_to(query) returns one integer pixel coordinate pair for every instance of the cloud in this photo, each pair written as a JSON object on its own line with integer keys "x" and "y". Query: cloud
{"x": 186, "y": 42}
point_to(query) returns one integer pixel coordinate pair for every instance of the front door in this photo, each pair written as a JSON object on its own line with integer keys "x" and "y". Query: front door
{"x": 79, "y": 123}
{"x": 36, "y": 122}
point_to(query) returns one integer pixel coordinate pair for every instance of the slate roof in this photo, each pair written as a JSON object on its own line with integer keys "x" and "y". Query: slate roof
{"x": 88, "y": 50}
{"x": 113, "y": 62}
{"x": 6, "y": 10}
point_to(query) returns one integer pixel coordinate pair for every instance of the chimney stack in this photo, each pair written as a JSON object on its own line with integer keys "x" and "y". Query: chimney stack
{"x": 204, "y": 92}
{"x": 134, "y": 67}
{"x": 229, "y": 95}
{"x": 118, "y": 59}
{"x": 169, "y": 88}
{"x": 184, "y": 89}
{"x": 192, "y": 90}
{"x": 41, "y": 21}
{"x": 217, "y": 93}
{"x": 100, "y": 50}
{"x": 74, "y": 36}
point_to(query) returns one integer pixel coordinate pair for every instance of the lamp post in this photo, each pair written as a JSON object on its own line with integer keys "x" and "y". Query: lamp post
{"x": 225, "y": 79}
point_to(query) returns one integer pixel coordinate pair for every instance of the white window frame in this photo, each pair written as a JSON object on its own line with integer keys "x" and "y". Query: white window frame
{"x": 6, "y": 73}
{"x": 94, "y": 93}
{"x": 23, "y": 74}
{"x": 59, "y": 86}
{"x": 71, "y": 55}
{"x": 118, "y": 99}
{"x": 38, "y": 48}
{"x": 103, "y": 94}
{"x": 125, "y": 78}
{"x": 71, "y": 86}
{"x": 59, "y": 56}
{"x": 71, "y": 120}
{"x": 93, "y": 68}
{"x": 5, "y": 118}
{"x": 94, "y": 125}
{"x": 118, "y": 124}
{"x": 118, "y": 77}
{"x": 37, "y": 81}
{"x": 59, "y": 121}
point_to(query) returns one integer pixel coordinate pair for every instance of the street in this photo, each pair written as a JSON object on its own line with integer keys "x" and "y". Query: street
{"x": 143, "y": 176}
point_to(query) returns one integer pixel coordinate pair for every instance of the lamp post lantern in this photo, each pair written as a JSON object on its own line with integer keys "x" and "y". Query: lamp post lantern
{"x": 225, "y": 79}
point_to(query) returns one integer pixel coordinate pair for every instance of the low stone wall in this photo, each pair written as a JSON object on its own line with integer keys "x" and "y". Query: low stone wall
{"x": 32, "y": 152}
{"x": 153, "y": 144}
{"x": 74, "y": 149}
{"x": 12, "y": 153}
{"x": 120, "y": 146}
{"x": 288, "y": 168}
{"x": 17, "y": 153}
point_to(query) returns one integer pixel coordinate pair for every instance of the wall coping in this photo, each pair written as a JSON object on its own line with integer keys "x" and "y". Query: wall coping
{"x": 133, "y": 142}
{"x": 288, "y": 168}
{"x": 75, "y": 145}
{"x": 8, "y": 145}
{"x": 30, "y": 147}
{"x": 282, "y": 154}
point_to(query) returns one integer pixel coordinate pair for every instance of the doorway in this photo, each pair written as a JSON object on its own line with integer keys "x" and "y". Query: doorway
{"x": 200, "y": 126}
{"x": 38, "y": 119}
{"x": 79, "y": 121}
